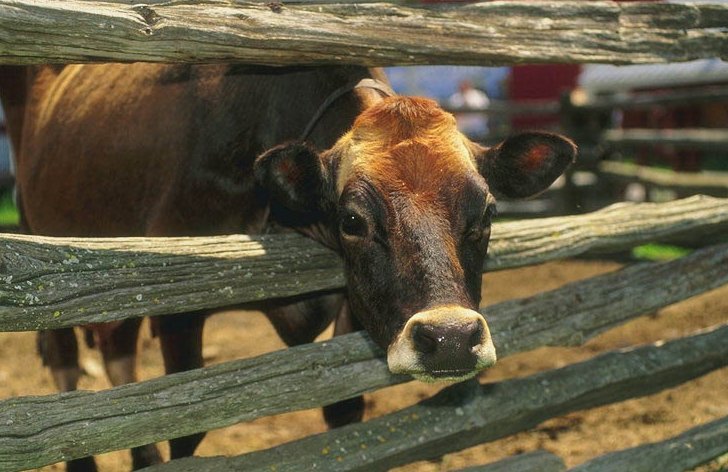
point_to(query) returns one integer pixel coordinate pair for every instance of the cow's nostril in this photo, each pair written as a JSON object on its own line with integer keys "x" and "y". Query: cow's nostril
{"x": 425, "y": 338}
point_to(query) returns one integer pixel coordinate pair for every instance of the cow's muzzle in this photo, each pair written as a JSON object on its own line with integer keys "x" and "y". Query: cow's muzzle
{"x": 447, "y": 343}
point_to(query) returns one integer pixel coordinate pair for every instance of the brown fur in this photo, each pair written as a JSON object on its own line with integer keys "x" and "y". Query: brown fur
{"x": 409, "y": 198}
{"x": 401, "y": 140}
{"x": 162, "y": 150}
{"x": 390, "y": 183}
{"x": 411, "y": 150}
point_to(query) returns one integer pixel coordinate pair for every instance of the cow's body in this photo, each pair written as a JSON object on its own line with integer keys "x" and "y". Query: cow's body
{"x": 159, "y": 150}
{"x": 154, "y": 150}
{"x": 162, "y": 150}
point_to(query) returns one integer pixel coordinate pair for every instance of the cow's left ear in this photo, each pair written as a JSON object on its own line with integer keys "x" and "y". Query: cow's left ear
{"x": 294, "y": 178}
{"x": 526, "y": 164}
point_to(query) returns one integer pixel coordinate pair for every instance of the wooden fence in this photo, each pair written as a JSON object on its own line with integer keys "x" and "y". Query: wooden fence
{"x": 310, "y": 32}
{"x": 48, "y": 283}
{"x": 39, "y": 272}
{"x": 610, "y": 140}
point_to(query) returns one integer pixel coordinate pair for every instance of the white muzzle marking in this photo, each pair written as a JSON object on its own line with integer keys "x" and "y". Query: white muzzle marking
{"x": 469, "y": 350}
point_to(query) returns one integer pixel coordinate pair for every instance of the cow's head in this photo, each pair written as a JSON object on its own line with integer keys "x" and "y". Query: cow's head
{"x": 407, "y": 200}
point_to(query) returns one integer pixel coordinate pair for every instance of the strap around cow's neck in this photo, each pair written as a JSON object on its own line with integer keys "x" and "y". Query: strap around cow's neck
{"x": 369, "y": 83}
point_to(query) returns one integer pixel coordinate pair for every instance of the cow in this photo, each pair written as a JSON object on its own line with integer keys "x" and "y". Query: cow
{"x": 330, "y": 152}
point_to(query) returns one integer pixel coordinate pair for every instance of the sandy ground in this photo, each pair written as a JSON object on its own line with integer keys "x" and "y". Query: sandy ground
{"x": 575, "y": 437}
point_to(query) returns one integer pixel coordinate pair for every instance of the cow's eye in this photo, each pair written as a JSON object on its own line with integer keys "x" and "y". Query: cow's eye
{"x": 479, "y": 233}
{"x": 353, "y": 225}
{"x": 480, "y": 229}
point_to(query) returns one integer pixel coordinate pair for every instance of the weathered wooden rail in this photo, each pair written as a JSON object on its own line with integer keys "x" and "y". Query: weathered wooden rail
{"x": 682, "y": 183}
{"x": 341, "y": 368}
{"x": 537, "y": 461}
{"x": 468, "y": 414}
{"x": 697, "y": 138}
{"x": 636, "y": 100}
{"x": 589, "y": 121}
{"x": 243, "y": 390}
{"x": 47, "y": 283}
{"x": 684, "y": 452}
{"x": 485, "y": 33}
{"x": 55, "y": 282}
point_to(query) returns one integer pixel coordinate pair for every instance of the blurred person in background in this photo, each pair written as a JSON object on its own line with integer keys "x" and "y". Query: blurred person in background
{"x": 471, "y": 121}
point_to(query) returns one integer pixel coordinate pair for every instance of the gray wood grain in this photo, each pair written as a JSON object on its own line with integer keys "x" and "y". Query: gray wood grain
{"x": 488, "y": 33}
{"x": 50, "y": 283}
{"x": 694, "y": 138}
{"x": 41, "y": 430}
{"x": 536, "y": 461}
{"x": 708, "y": 182}
{"x": 467, "y": 414}
{"x": 684, "y": 452}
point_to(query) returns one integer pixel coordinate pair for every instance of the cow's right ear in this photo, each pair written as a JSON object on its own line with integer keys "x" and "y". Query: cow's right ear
{"x": 525, "y": 164}
{"x": 294, "y": 178}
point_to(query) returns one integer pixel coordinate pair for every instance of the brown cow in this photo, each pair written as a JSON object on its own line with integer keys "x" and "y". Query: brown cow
{"x": 409, "y": 200}
{"x": 388, "y": 182}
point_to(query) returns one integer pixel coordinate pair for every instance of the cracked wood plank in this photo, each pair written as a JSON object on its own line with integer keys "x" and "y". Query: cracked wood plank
{"x": 682, "y": 183}
{"x": 467, "y": 414}
{"x": 536, "y": 461}
{"x": 41, "y": 430}
{"x": 684, "y": 452}
{"x": 48, "y": 283}
{"x": 373, "y": 34}
{"x": 694, "y": 138}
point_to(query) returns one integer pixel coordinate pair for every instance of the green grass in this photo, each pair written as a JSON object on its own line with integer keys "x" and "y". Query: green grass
{"x": 8, "y": 212}
{"x": 659, "y": 252}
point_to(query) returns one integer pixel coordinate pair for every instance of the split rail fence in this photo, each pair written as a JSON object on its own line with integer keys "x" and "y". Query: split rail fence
{"x": 609, "y": 139}
{"x": 48, "y": 283}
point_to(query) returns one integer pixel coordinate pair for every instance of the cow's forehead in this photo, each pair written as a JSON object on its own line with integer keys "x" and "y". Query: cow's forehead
{"x": 407, "y": 142}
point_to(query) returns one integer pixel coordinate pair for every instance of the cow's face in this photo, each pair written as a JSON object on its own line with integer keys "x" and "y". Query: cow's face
{"x": 408, "y": 201}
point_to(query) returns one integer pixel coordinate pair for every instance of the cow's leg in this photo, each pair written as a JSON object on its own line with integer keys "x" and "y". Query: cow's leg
{"x": 181, "y": 339}
{"x": 59, "y": 350}
{"x": 118, "y": 347}
{"x": 350, "y": 410}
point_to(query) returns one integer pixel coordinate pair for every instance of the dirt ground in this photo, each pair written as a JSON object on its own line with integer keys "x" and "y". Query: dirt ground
{"x": 575, "y": 437}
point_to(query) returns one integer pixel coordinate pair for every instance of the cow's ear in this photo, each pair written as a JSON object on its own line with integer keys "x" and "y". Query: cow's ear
{"x": 526, "y": 164}
{"x": 294, "y": 178}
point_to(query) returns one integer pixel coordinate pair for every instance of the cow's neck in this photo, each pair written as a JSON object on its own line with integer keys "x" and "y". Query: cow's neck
{"x": 16, "y": 85}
